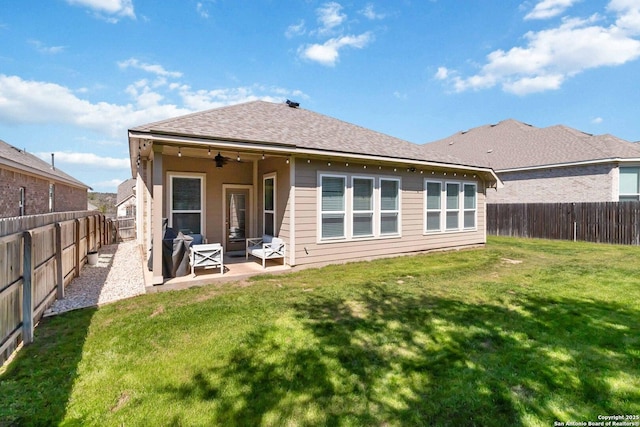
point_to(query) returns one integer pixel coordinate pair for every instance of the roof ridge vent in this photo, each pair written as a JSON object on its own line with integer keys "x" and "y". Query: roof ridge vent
{"x": 293, "y": 104}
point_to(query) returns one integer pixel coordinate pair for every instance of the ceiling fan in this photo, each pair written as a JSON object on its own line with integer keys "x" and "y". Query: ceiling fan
{"x": 221, "y": 160}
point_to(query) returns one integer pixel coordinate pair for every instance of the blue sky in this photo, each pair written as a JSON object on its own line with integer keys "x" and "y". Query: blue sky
{"x": 76, "y": 74}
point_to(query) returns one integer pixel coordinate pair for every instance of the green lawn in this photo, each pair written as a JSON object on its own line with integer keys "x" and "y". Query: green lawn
{"x": 521, "y": 333}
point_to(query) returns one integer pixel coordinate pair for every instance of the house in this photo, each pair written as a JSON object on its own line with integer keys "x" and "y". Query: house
{"x": 31, "y": 186}
{"x": 333, "y": 191}
{"x": 126, "y": 198}
{"x": 547, "y": 165}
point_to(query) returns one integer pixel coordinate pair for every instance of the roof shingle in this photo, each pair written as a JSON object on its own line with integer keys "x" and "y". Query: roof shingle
{"x": 272, "y": 123}
{"x": 20, "y": 159}
{"x": 511, "y": 144}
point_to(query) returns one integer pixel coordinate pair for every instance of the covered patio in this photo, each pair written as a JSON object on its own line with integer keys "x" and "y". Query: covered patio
{"x": 236, "y": 268}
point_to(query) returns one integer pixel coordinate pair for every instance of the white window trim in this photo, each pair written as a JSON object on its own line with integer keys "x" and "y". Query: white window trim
{"x": 374, "y": 222}
{"x": 349, "y": 211}
{"x": 343, "y": 212}
{"x": 444, "y": 210}
{"x": 447, "y": 210}
{"x": 192, "y": 175}
{"x": 265, "y": 177}
{"x": 22, "y": 200}
{"x": 465, "y": 210}
{"x": 427, "y": 210}
{"x": 396, "y": 211}
{"x": 636, "y": 196}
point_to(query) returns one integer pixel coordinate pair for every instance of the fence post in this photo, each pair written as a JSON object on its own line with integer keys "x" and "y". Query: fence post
{"x": 27, "y": 288}
{"x": 59, "y": 269}
{"x": 78, "y": 256}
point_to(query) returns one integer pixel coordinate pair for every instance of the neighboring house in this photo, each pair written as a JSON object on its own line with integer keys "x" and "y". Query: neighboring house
{"x": 552, "y": 164}
{"x": 333, "y": 191}
{"x": 126, "y": 198}
{"x": 31, "y": 186}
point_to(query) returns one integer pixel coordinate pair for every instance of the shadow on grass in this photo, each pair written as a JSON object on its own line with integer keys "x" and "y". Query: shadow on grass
{"x": 386, "y": 357}
{"x": 36, "y": 386}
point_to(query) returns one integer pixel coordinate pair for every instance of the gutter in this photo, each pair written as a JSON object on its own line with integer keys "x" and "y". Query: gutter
{"x": 293, "y": 150}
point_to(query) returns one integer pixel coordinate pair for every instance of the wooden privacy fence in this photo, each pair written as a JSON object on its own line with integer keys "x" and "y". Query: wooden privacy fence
{"x": 606, "y": 222}
{"x": 35, "y": 266}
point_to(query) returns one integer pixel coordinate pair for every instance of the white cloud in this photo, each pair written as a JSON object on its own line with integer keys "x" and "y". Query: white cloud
{"x": 370, "y": 13}
{"x": 110, "y": 185}
{"x": 549, "y": 8}
{"x": 597, "y": 120}
{"x": 329, "y": 52}
{"x": 49, "y": 50}
{"x": 202, "y": 11}
{"x": 150, "y": 68}
{"x": 442, "y": 73}
{"x": 28, "y": 101}
{"x": 36, "y": 102}
{"x": 110, "y": 10}
{"x": 295, "y": 29}
{"x": 329, "y": 17}
{"x": 553, "y": 55}
{"x": 86, "y": 159}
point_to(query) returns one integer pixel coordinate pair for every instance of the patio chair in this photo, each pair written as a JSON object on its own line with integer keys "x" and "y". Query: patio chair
{"x": 266, "y": 247}
{"x": 206, "y": 255}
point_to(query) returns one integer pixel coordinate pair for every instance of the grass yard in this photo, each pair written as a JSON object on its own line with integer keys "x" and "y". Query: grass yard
{"x": 522, "y": 333}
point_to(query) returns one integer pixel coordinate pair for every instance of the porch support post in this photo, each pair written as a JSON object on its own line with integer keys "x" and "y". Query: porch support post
{"x": 156, "y": 216}
{"x": 292, "y": 211}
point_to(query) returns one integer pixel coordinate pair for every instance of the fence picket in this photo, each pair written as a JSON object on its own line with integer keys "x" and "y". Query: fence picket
{"x": 605, "y": 222}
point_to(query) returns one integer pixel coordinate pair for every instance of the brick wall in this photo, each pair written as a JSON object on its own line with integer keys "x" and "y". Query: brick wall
{"x": 591, "y": 183}
{"x": 36, "y": 195}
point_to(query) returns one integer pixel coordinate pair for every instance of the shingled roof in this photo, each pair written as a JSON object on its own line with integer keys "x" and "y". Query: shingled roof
{"x": 279, "y": 124}
{"x": 125, "y": 191}
{"x": 511, "y": 144}
{"x": 16, "y": 158}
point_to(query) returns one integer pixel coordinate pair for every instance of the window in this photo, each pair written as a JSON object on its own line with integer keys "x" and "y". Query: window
{"x": 333, "y": 206}
{"x": 450, "y": 206}
{"x": 453, "y": 205}
{"x": 52, "y": 190}
{"x": 21, "y": 210}
{"x": 186, "y": 196}
{"x": 269, "y": 208}
{"x": 469, "y": 206}
{"x": 389, "y": 206}
{"x": 362, "y": 207}
{"x": 434, "y": 206}
{"x": 629, "y": 184}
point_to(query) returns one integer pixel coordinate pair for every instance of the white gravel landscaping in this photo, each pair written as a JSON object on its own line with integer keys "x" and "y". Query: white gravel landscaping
{"x": 117, "y": 275}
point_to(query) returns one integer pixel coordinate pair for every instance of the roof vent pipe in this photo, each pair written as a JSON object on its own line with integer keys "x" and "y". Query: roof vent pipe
{"x": 53, "y": 164}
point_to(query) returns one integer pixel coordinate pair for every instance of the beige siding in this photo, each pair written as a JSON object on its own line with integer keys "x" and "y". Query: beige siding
{"x": 232, "y": 173}
{"x": 310, "y": 251}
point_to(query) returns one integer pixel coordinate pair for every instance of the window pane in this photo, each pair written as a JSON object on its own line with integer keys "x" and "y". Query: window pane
{"x": 389, "y": 195}
{"x": 332, "y": 225}
{"x": 363, "y": 224}
{"x": 469, "y": 196}
{"x": 268, "y": 194}
{"x": 433, "y": 221}
{"x": 470, "y": 219}
{"x": 389, "y": 223}
{"x": 453, "y": 193}
{"x": 434, "y": 195}
{"x": 362, "y": 194}
{"x": 268, "y": 224}
{"x": 186, "y": 194}
{"x": 629, "y": 180}
{"x": 452, "y": 220}
{"x": 629, "y": 198}
{"x": 333, "y": 193}
{"x": 187, "y": 223}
